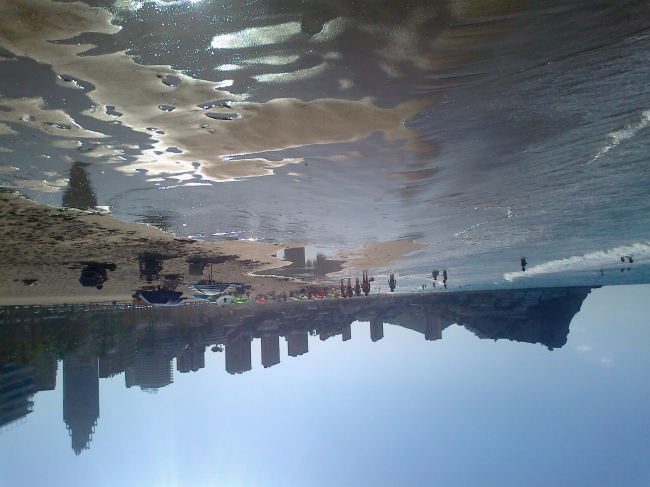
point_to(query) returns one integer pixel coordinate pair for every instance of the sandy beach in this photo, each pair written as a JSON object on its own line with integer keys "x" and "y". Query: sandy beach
{"x": 49, "y": 244}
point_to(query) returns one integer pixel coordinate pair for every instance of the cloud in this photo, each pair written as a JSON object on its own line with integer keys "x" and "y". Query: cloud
{"x": 607, "y": 361}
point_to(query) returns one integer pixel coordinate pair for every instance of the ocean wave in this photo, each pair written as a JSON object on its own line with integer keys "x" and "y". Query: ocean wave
{"x": 593, "y": 260}
{"x": 625, "y": 133}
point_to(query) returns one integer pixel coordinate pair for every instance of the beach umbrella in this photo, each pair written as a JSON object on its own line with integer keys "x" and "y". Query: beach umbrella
{"x": 223, "y": 300}
{"x": 212, "y": 288}
{"x": 201, "y": 296}
{"x": 161, "y": 298}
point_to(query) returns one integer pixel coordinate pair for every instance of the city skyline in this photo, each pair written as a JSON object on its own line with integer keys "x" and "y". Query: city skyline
{"x": 146, "y": 353}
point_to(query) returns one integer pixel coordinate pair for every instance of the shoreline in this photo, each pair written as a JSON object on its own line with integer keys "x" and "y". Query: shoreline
{"x": 49, "y": 244}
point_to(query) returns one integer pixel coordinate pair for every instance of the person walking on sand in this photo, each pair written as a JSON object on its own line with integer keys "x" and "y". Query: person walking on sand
{"x": 392, "y": 283}
{"x": 523, "y": 264}
{"x": 444, "y": 277}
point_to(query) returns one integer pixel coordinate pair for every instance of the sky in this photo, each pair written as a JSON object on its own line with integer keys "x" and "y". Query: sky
{"x": 400, "y": 411}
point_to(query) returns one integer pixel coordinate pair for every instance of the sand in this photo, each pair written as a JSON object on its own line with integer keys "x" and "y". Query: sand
{"x": 379, "y": 254}
{"x": 48, "y": 244}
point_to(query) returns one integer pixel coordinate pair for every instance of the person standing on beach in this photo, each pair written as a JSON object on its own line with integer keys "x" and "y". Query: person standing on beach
{"x": 366, "y": 283}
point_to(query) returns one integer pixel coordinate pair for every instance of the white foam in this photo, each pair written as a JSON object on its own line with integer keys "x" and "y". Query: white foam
{"x": 137, "y": 5}
{"x": 624, "y": 134}
{"x": 256, "y": 36}
{"x": 591, "y": 261}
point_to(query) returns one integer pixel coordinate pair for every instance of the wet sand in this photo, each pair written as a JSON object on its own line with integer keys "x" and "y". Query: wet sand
{"x": 48, "y": 244}
{"x": 195, "y": 118}
{"x": 379, "y": 254}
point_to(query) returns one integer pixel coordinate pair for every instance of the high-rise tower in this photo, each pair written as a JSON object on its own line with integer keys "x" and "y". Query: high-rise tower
{"x": 297, "y": 343}
{"x": 238, "y": 355}
{"x": 16, "y": 393}
{"x": 270, "y": 350}
{"x": 81, "y": 398}
{"x": 376, "y": 330}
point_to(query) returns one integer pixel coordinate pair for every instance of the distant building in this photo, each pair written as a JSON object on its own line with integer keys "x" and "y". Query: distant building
{"x": 45, "y": 367}
{"x": 433, "y": 329}
{"x": 270, "y": 350}
{"x": 297, "y": 343}
{"x": 376, "y": 330}
{"x": 120, "y": 358}
{"x": 347, "y": 332}
{"x": 81, "y": 398}
{"x": 324, "y": 335}
{"x": 238, "y": 355}
{"x": 16, "y": 394}
{"x": 191, "y": 359}
{"x": 217, "y": 335}
{"x": 151, "y": 371}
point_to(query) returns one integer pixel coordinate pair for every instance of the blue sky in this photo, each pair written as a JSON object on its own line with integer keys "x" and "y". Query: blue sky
{"x": 401, "y": 411}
